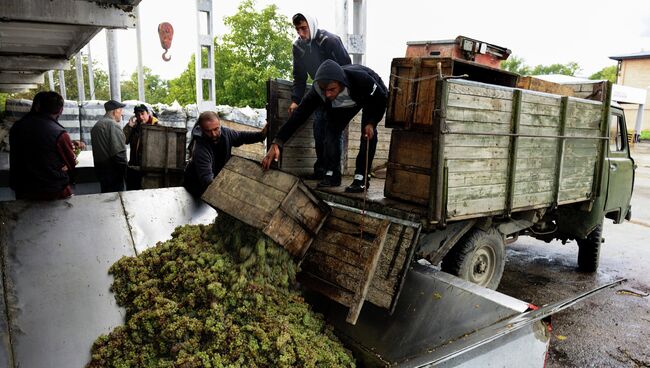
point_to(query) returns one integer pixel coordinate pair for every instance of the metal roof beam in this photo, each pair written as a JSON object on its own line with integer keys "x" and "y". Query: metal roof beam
{"x": 67, "y": 12}
{"x": 18, "y": 85}
{"x": 32, "y": 63}
{"x": 29, "y": 78}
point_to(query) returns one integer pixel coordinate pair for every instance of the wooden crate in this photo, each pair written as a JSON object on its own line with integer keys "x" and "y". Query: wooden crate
{"x": 540, "y": 85}
{"x": 350, "y": 267}
{"x": 163, "y": 147}
{"x": 495, "y": 150}
{"x": 162, "y": 179}
{"x": 413, "y": 81}
{"x": 275, "y": 202}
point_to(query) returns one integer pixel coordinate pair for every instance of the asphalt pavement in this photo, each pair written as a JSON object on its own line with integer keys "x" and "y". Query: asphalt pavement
{"x": 612, "y": 328}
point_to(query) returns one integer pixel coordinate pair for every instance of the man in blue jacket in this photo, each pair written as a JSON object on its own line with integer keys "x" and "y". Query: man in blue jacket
{"x": 210, "y": 149}
{"x": 342, "y": 91}
{"x": 310, "y": 49}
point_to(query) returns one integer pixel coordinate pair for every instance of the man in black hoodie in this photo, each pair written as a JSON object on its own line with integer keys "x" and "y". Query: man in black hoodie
{"x": 310, "y": 49}
{"x": 343, "y": 91}
{"x": 210, "y": 150}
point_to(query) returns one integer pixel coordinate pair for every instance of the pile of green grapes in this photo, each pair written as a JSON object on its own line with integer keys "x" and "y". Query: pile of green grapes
{"x": 215, "y": 296}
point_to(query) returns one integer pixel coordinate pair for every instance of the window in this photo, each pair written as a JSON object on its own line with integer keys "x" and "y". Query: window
{"x": 617, "y": 136}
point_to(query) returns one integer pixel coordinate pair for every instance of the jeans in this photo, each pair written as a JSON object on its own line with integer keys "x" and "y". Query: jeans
{"x": 111, "y": 177}
{"x": 320, "y": 134}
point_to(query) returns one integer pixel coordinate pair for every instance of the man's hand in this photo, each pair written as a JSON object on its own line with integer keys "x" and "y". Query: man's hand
{"x": 272, "y": 155}
{"x": 132, "y": 121}
{"x": 369, "y": 131}
{"x": 265, "y": 130}
{"x": 292, "y": 107}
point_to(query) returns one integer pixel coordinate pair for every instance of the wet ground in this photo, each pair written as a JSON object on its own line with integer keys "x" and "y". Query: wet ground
{"x": 611, "y": 329}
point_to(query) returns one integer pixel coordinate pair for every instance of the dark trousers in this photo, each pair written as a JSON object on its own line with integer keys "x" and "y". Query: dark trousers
{"x": 337, "y": 120}
{"x": 133, "y": 179}
{"x": 320, "y": 134}
{"x": 111, "y": 178}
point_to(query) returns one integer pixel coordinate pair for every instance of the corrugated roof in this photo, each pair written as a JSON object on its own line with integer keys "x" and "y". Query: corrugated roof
{"x": 637, "y": 55}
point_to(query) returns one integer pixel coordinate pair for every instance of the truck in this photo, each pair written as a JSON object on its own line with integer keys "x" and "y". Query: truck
{"x": 477, "y": 158}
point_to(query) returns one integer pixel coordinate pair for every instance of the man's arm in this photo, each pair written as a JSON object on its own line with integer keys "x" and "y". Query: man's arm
{"x": 299, "y": 76}
{"x": 335, "y": 50}
{"x": 118, "y": 149}
{"x": 239, "y": 138}
{"x": 66, "y": 152}
{"x": 374, "y": 105}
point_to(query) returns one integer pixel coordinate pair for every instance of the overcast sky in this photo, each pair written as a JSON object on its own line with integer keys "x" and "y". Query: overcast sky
{"x": 541, "y": 32}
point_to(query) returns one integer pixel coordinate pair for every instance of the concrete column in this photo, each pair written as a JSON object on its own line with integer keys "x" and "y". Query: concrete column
{"x": 91, "y": 75}
{"x": 81, "y": 89}
{"x": 50, "y": 77}
{"x": 359, "y": 29}
{"x": 341, "y": 15}
{"x": 62, "y": 90}
{"x": 113, "y": 65}
{"x": 139, "y": 39}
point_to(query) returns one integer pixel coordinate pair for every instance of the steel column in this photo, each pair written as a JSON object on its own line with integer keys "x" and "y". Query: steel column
{"x": 139, "y": 40}
{"x": 359, "y": 32}
{"x": 50, "y": 77}
{"x": 81, "y": 90}
{"x": 113, "y": 65}
{"x": 91, "y": 75}
{"x": 204, "y": 75}
{"x": 62, "y": 89}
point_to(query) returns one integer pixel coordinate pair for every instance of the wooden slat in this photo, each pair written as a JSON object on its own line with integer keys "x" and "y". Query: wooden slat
{"x": 481, "y": 90}
{"x": 478, "y": 102}
{"x": 474, "y": 127}
{"x": 474, "y": 207}
{"x": 476, "y": 192}
{"x": 480, "y": 116}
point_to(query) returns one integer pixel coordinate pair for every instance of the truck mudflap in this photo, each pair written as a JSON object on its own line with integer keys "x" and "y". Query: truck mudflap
{"x": 443, "y": 321}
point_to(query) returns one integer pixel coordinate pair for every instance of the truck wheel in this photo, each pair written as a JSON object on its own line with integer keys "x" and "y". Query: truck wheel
{"x": 589, "y": 250}
{"x": 479, "y": 257}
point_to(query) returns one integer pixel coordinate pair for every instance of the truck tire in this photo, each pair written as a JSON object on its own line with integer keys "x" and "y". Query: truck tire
{"x": 589, "y": 250}
{"x": 479, "y": 257}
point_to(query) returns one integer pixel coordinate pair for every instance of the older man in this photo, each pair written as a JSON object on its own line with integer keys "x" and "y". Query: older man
{"x": 210, "y": 149}
{"x": 109, "y": 149}
{"x": 42, "y": 157}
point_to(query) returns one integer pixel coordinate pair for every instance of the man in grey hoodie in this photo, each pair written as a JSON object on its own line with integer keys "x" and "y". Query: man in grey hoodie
{"x": 310, "y": 49}
{"x": 342, "y": 91}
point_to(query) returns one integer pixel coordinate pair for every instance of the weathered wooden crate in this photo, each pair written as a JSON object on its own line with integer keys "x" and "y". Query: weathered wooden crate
{"x": 162, "y": 179}
{"x": 413, "y": 87}
{"x": 275, "y": 202}
{"x": 163, "y": 147}
{"x": 299, "y": 153}
{"x": 540, "y": 85}
{"x": 358, "y": 257}
{"x": 495, "y": 150}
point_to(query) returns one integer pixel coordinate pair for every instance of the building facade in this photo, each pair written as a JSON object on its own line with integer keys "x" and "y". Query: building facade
{"x": 634, "y": 71}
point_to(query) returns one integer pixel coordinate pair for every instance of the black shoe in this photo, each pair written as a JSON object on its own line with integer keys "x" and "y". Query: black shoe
{"x": 330, "y": 181}
{"x": 357, "y": 186}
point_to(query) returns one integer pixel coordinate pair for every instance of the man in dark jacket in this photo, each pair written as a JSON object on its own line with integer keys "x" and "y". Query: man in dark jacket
{"x": 343, "y": 91}
{"x": 42, "y": 157}
{"x": 210, "y": 150}
{"x": 109, "y": 150}
{"x": 133, "y": 135}
{"x": 310, "y": 49}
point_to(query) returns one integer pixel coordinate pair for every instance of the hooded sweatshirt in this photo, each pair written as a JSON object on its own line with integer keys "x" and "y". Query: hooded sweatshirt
{"x": 309, "y": 54}
{"x": 209, "y": 156}
{"x": 363, "y": 90}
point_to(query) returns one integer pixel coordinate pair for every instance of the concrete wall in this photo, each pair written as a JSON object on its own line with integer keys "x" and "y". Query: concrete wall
{"x": 636, "y": 73}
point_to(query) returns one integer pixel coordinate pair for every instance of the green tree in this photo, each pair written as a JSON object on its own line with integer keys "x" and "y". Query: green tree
{"x": 156, "y": 89}
{"x": 257, "y": 48}
{"x": 516, "y": 64}
{"x": 183, "y": 88}
{"x": 606, "y": 73}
